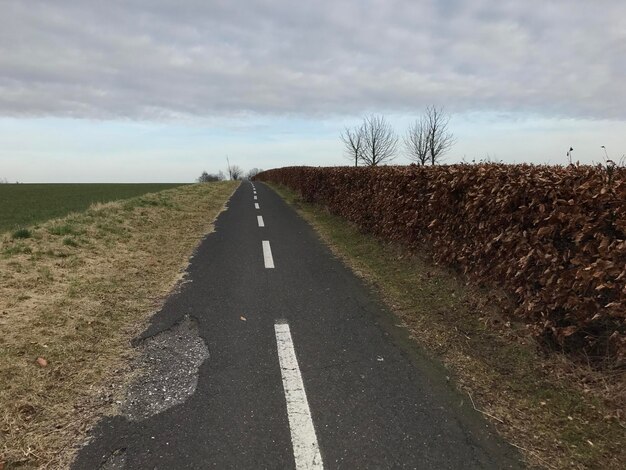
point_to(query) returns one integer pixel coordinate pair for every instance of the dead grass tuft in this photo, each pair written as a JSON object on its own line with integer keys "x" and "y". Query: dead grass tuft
{"x": 71, "y": 298}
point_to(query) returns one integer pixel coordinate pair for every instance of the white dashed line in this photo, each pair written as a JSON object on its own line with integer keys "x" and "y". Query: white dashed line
{"x": 259, "y": 219}
{"x": 267, "y": 255}
{"x": 255, "y": 198}
{"x": 306, "y": 450}
{"x": 256, "y": 205}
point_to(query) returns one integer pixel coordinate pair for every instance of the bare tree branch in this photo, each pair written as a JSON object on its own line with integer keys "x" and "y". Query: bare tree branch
{"x": 379, "y": 141}
{"x": 416, "y": 141}
{"x": 235, "y": 172}
{"x": 253, "y": 172}
{"x": 440, "y": 139}
{"x": 353, "y": 140}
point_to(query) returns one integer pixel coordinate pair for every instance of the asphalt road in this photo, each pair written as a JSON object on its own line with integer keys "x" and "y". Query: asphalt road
{"x": 305, "y": 367}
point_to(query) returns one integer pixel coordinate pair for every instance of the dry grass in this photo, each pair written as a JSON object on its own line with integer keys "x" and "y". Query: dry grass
{"x": 559, "y": 414}
{"x": 75, "y": 294}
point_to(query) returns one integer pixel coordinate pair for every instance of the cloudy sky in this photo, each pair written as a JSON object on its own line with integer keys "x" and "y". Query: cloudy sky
{"x": 159, "y": 90}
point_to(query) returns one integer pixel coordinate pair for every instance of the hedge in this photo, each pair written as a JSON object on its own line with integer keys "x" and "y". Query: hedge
{"x": 552, "y": 237}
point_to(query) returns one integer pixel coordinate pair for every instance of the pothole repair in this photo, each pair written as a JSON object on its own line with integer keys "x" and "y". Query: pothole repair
{"x": 169, "y": 365}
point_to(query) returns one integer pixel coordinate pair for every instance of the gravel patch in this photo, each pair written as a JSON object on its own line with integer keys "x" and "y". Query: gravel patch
{"x": 168, "y": 365}
{"x": 116, "y": 461}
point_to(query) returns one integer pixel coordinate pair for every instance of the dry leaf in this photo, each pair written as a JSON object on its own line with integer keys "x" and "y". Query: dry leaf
{"x": 42, "y": 362}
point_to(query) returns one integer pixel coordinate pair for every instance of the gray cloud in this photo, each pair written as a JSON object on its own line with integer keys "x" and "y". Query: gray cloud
{"x": 162, "y": 59}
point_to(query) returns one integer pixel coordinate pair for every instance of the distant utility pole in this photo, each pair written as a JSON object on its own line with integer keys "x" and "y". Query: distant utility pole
{"x": 230, "y": 175}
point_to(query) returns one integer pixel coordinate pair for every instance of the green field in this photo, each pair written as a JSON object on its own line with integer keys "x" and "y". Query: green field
{"x": 25, "y": 204}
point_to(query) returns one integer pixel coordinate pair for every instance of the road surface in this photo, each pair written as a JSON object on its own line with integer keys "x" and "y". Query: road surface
{"x": 305, "y": 367}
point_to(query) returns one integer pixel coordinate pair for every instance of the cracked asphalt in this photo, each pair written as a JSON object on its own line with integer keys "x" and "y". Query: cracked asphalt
{"x": 375, "y": 400}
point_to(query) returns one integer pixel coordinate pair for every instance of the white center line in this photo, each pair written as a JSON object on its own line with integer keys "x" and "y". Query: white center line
{"x": 255, "y": 198}
{"x": 267, "y": 255}
{"x": 259, "y": 219}
{"x": 306, "y": 450}
{"x": 256, "y": 205}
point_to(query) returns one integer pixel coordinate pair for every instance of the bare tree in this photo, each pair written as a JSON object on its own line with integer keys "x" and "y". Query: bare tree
{"x": 379, "y": 141}
{"x": 440, "y": 139}
{"x": 253, "y": 172}
{"x": 353, "y": 140}
{"x": 416, "y": 141}
{"x": 236, "y": 173}
{"x": 207, "y": 178}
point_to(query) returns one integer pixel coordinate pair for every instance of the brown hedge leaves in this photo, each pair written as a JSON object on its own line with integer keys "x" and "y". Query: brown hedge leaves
{"x": 553, "y": 237}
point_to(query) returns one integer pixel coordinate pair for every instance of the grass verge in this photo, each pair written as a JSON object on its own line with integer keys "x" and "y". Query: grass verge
{"x": 27, "y": 204}
{"x": 72, "y": 296}
{"x": 559, "y": 414}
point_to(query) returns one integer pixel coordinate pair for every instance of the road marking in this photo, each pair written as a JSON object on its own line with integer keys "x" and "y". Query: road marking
{"x": 256, "y": 205}
{"x": 267, "y": 255}
{"x": 255, "y": 198}
{"x": 259, "y": 219}
{"x": 306, "y": 450}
